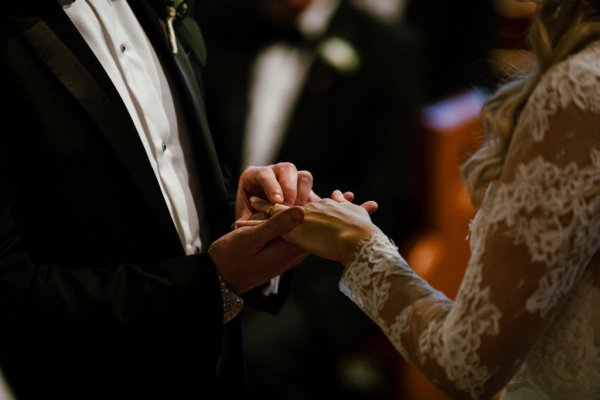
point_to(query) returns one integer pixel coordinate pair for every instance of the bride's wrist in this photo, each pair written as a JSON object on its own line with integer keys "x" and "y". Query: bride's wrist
{"x": 354, "y": 242}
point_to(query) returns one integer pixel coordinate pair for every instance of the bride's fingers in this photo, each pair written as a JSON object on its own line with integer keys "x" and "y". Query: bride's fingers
{"x": 371, "y": 206}
{"x": 265, "y": 207}
{"x": 342, "y": 198}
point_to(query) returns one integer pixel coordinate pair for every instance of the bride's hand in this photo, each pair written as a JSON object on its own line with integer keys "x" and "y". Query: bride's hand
{"x": 332, "y": 228}
{"x": 268, "y": 208}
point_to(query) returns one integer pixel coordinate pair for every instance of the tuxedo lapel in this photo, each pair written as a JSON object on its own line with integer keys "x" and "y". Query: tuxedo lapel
{"x": 60, "y": 46}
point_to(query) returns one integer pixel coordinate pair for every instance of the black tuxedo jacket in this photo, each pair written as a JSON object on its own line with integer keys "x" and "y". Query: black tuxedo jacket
{"x": 97, "y": 298}
{"x": 351, "y": 131}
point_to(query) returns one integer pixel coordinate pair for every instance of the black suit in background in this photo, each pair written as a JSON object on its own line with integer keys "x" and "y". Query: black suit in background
{"x": 97, "y": 298}
{"x": 353, "y": 132}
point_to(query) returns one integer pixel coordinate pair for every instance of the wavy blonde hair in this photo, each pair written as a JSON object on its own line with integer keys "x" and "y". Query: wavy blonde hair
{"x": 559, "y": 29}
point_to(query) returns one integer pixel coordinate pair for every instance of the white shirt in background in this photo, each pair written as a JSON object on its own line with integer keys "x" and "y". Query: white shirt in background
{"x": 277, "y": 78}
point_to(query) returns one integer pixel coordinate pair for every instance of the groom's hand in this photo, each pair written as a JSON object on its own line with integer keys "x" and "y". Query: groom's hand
{"x": 250, "y": 256}
{"x": 279, "y": 184}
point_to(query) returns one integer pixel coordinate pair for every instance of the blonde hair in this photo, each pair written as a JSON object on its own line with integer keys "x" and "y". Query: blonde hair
{"x": 559, "y": 28}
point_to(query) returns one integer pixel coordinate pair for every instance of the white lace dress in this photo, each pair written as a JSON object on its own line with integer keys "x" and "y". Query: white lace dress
{"x": 528, "y": 309}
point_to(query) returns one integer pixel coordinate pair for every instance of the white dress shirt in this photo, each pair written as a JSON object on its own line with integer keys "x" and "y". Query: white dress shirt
{"x": 115, "y": 36}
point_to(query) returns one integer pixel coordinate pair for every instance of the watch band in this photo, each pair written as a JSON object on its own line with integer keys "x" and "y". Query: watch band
{"x": 232, "y": 303}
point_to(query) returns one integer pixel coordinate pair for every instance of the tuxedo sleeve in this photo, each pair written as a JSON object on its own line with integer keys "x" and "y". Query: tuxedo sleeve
{"x": 74, "y": 322}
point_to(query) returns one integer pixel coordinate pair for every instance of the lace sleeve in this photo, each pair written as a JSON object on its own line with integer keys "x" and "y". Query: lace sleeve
{"x": 533, "y": 249}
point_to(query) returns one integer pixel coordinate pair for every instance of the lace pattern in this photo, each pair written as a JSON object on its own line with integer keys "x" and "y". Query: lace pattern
{"x": 565, "y": 364}
{"x": 536, "y": 238}
{"x": 574, "y": 81}
{"x": 568, "y": 206}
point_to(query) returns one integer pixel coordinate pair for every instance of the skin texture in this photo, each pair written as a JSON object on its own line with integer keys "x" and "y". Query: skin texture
{"x": 279, "y": 184}
{"x": 332, "y": 228}
{"x": 251, "y": 255}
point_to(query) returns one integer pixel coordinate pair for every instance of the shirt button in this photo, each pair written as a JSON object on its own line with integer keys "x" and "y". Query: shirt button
{"x": 164, "y": 147}
{"x": 123, "y": 48}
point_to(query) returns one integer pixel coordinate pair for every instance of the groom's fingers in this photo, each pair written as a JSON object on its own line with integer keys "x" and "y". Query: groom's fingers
{"x": 305, "y": 184}
{"x": 263, "y": 206}
{"x": 281, "y": 222}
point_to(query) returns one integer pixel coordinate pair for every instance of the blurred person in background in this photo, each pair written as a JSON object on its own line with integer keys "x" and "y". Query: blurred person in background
{"x": 334, "y": 88}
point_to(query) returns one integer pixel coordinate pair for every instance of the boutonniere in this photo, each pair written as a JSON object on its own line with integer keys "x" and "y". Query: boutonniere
{"x": 181, "y": 25}
{"x": 339, "y": 54}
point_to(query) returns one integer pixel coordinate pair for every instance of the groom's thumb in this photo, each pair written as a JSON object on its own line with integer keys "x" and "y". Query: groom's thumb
{"x": 281, "y": 223}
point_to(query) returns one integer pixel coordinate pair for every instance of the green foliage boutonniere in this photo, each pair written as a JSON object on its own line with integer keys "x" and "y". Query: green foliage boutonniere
{"x": 181, "y": 25}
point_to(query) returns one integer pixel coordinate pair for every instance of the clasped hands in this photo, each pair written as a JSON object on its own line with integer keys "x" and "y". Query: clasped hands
{"x": 332, "y": 228}
{"x": 299, "y": 222}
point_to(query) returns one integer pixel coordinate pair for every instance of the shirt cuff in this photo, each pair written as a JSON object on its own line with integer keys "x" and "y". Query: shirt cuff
{"x": 272, "y": 287}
